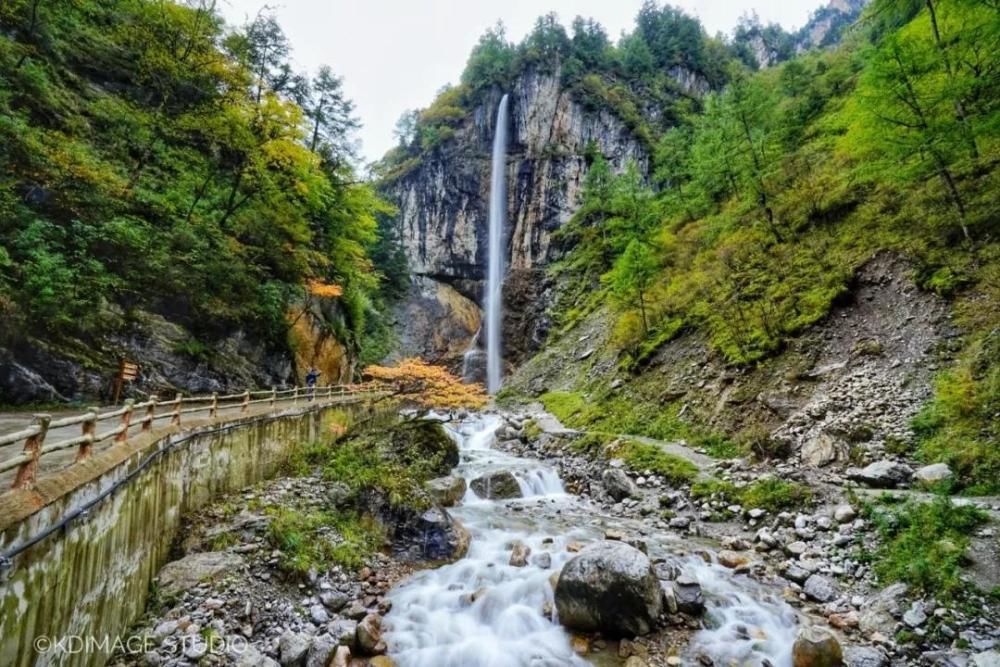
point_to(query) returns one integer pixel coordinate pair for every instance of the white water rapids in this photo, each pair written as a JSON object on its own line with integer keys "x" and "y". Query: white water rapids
{"x": 482, "y": 612}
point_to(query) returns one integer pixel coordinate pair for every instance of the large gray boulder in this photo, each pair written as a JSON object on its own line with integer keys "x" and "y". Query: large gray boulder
{"x": 446, "y": 491}
{"x": 879, "y": 613}
{"x": 618, "y": 485}
{"x": 882, "y": 474}
{"x": 820, "y": 588}
{"x": 933, "y": 474}
{"x": 497, "y": 486}
{"x": 188, "y": 572}
{"x": 609, "y": 587}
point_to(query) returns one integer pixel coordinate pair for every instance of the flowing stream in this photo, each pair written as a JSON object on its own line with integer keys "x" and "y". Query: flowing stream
{"x": 482, "y": 612}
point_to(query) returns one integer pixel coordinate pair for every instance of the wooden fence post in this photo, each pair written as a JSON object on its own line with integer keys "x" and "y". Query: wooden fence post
{"x": 32, "y": 447}
{"x": 245, "y": 408}
{"x": 175, "y": 420}
{"x": 89, "y": 428}
{"x": 295, "y": 396}
{"x": 274, "y": 396}
{"x": 126, "y": 420}
{"x": 147, "y": 423}
{"x": 214, "y": 410}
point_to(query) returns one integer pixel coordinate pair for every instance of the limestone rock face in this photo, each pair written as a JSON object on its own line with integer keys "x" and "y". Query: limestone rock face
{"x": 443, "y": 206}
{"x": 609, "y": 587}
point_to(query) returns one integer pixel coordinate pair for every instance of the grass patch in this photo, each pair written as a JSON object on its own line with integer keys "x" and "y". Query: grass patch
{"x": 923, "y": 544}
{"x": 641, "y": 456}
{"x": 319, "y": 540}
{"x": 622, "y": 415}
{"x": 770, "y": 494}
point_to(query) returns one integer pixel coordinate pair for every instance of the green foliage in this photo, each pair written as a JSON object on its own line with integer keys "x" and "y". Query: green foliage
{"x": 642, "y": 456}
{"x": 318, "y": 540}
{"x": 154, "y": 160}
{"x": 608, "y": 416}
{"x": 924, "y": 544}
{"x": 770, "y": 494}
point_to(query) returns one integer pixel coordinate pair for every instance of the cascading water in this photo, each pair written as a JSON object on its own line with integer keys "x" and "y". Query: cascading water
{"x": 481, "y": 611}
{"x": 495, "y": 247}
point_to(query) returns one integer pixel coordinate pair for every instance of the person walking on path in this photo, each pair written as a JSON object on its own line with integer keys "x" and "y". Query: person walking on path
{"x": 312, "y": 377}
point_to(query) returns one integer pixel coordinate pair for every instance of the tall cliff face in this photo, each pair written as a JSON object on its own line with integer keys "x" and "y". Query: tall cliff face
{"x": 443, "y": 215}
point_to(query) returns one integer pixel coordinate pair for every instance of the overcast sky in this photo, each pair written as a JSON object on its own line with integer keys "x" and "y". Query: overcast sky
{"x": 395, "y": 55}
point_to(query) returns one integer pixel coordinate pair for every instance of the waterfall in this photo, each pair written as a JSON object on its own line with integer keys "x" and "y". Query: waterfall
{"x": 495, "y": 247}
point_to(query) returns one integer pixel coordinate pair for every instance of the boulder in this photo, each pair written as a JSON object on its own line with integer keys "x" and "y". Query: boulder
{"x": 815, "y": 647}
{"x": 496, "y": 486}
{"x": 321, "y": 651}
{"x": 446, "y": 491}
{"x": 882, "y": 474}
{"x": 609, "y": 587}
{"x": 343, "y": 631}
{"x": 733, "y": 559}
{"x": 687, "y": 592}
{"x": 879, "y": 613}
{"x": 990, "y": 658}
{"x": 196, "y": 568}
{"x": 249, "y": 656}
{"x": 933, "y": 474}
{"x": 369, "y": 635}
{"x": 292, "y": 648}
{"x": 341, "y": 657}
{"x": 618, "y": 484}
{"x": 819, "y": 588}
{"x": 519, "y": 554}
{"x": 863, "y": 656}
{"x": 844, "y": 514}
{"x": 431, "y": 535}
{"x": 822, "y": 450}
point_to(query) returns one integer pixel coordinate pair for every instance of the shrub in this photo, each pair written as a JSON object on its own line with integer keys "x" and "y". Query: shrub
{"x": 923, "y": 544}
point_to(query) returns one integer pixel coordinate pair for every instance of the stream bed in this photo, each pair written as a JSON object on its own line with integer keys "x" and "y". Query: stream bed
{"x": 480, "y": 611}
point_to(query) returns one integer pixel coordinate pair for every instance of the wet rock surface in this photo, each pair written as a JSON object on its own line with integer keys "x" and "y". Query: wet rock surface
{"x": 609, "y": 587}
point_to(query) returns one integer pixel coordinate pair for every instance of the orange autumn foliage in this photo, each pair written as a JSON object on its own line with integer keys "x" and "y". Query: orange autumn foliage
{"x": 324, "y": 290}
{"x": 428, "y": 385}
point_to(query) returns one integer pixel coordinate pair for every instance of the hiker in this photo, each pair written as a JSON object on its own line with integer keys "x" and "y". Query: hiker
{"x": 312, "y": 377}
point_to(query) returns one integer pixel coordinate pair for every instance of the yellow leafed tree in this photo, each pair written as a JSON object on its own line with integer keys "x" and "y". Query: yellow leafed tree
{"x": 427, "y": 385}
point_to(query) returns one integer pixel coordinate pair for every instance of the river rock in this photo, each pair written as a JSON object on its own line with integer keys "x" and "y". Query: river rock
{"x": 609, "y": 587}
{"x": 933, "y": 474}
{"x": 196, "y": 568}
{"x": 321, "y": 651}
{"x": 844, "y": 514}
{"x": 882, "y": 474}
{"x": 343, "y": 631}
{"x": 879, "y": 613}
{"x": 519, "y": 554}
{"x": 819, "y": 588}
{"x": 446, "y": 491}
{"x": 341, "y": 657}
{"x": 369, "y": 635}
{"x": 497, "y": 486}
{"x": 863, "y": 656}
{"x": 431, "y": 535}
{"x": 733, "y": 559}
{"x": 618, "y": 484}
{"x": 989, "y": 658}
{"x": 292, "y": 647}
{"x": 815, "y": 647}
{"x": 249, "y": 656}
{"x": 687, "y": 592}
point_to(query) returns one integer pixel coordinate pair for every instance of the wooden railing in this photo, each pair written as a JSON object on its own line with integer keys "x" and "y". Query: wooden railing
{"x": 143, "y": 416}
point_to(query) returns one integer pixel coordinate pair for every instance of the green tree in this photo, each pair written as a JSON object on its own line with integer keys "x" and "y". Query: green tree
{"x": 632, "y": 275}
